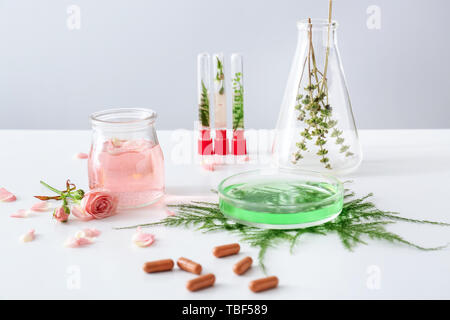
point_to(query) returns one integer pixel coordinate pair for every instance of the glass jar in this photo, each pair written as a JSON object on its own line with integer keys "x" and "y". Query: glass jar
{"x": 125, "y": 156}
{"x": 316, "y": 129}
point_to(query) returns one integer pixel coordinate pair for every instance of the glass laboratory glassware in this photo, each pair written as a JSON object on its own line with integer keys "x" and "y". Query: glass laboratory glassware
{"x": 125, "y": 156}
{"x": 205, "y": 145}
{"x": 280, "y": 198}
{"x": 220, "y": 106}
{"x": 316, "y": 129}
{"x": 238, "y": 144}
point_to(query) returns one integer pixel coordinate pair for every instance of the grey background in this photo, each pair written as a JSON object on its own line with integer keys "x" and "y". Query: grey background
{"x": 143, "y": 53}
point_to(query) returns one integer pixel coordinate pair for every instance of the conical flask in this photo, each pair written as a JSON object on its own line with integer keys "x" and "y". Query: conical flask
{"x": 316, "y": 129}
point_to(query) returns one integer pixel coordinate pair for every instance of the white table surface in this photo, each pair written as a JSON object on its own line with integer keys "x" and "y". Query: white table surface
{"x": 408, "y": 171}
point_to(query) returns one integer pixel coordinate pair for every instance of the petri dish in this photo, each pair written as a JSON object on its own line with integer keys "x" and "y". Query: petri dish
{"x": 279, "y": 198}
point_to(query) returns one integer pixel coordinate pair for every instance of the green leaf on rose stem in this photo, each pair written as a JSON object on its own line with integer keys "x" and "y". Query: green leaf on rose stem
{"x": 50, "y": 187}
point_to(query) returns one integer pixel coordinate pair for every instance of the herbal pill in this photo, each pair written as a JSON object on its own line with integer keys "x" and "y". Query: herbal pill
{"x": 242, "y": 266}
{"x": 158, "y": 266}
{"x": 263, "y": 284}
{"x": 226, "y": 250}
{"x": 189, "y": 266}
{"x": 201, "y": 282}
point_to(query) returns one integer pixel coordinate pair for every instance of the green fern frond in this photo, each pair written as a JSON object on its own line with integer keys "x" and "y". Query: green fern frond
{"x": 204, "y": 107}
{"x": 359, "y": 221}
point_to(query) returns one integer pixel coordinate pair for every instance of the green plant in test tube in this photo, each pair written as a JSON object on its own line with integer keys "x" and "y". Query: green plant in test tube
{"x": 204, "y": 106}
{"x": 220, "y": 98}
{"x": 203, "y": 73}
{"x": 238, "y": 91}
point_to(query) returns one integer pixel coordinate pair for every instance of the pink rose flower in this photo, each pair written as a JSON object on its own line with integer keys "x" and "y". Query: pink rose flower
{"x": 99, "y": 204}
{"x": 60, "y": 214}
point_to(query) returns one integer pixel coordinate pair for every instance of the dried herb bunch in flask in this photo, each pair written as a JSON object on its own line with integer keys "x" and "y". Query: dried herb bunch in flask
{"x": 316, "y": 129}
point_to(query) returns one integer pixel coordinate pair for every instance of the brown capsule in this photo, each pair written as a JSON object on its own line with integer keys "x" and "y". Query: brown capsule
{"x": 263, "y": 284}
{"x": 158, "y": 266}
{"x": 226, "y": 250}
{"x": 242, "y": 266}
{"x": 189, "y": 266}
{"x": 201, "y": 282}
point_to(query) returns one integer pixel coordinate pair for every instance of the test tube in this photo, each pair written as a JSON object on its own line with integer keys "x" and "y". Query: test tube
{"x": 205, "y": 146}
{"x": 220, "y": 106}
{"x": 239, "y": 145}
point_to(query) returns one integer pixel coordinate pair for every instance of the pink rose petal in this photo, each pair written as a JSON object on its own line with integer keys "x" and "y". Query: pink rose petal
{"x": 42, "y": 206}
{"x": 88, "y": 233}
{"x": 78, "y": 212}
{"x": 6, "y": 196}
{"x": 22, "y": 213}
{"x": 208, "y": 166}
{"x": 142, "y": 239}
{"x": 76, "y": 242}
{"x": 82, "y": 155}
{"x": 28, "y": 237}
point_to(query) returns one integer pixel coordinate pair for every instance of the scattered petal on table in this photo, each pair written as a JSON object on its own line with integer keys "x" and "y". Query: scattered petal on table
{"x": 28, "y": 237}
{"x": 41, "y": 206}
{"x": 76, "y": 242}
{"x": 142, "y": 239}
{"x": 170, "y": 212}
{"x": 22, "y": 213}
{"x": 81, "y": 155}
{"x": 6, "y": 196}
{"x": 208, "y": 166}
{"x": 80, "y": 213}
{"x": 88, "y": 233}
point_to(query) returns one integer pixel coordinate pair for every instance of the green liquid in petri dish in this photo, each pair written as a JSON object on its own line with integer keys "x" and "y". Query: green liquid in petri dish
{"x": 281, "y": 203}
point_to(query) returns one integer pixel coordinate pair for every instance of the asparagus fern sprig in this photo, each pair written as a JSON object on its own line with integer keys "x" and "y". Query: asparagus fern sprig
{"x": 359, "y": 220}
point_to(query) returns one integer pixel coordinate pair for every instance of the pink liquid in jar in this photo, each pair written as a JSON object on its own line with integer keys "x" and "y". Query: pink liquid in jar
{"x": 132, "y": 169}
